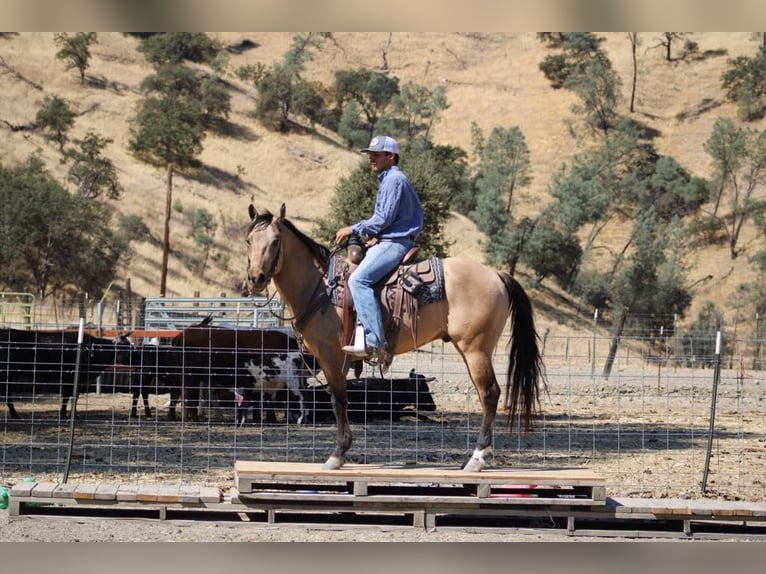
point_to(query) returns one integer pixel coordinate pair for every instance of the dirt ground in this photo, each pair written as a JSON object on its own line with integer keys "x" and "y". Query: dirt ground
{"x": 40, "y": 529}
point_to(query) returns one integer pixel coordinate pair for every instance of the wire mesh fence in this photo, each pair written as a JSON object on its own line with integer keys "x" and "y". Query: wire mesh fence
{"x": 645, "y": 426}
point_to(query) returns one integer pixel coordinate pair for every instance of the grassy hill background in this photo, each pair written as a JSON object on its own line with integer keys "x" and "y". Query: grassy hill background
{"x": 491, "y": 79}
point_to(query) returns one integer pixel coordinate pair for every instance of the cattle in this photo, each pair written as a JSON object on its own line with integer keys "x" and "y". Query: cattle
{"x": 34, "y": 363}
{"x": 372, "y": 398}
{"x": 284, "y": 370}
{"x": 221, "y": 358}
{"x": 153, "y": 370}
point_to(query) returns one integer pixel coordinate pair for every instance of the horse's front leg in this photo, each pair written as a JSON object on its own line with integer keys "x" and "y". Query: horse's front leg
{"x": 344, "y": 438}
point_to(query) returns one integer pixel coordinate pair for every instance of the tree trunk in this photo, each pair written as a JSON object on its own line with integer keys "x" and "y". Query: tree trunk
{"x": 634, "y": 45}
{"x": 166, "y": 239}
{"x": 614, "y": 346}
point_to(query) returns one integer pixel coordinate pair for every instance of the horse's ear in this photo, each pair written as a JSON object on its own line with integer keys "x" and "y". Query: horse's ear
{"x": 252, "y": 212}
{"x": 282, "y": 212}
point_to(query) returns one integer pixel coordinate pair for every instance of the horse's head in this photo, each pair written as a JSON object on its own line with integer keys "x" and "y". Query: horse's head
{"x": 264, "y": 248}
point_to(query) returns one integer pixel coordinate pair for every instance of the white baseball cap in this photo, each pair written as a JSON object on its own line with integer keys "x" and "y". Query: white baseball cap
{"x": 383, "y": 143}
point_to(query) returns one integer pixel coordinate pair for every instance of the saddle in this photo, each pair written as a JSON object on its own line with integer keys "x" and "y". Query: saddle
{"x": 410, "y": 285}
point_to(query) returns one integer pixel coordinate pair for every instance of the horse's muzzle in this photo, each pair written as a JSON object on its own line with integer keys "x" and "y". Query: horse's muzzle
{"x": 257, "y": 283}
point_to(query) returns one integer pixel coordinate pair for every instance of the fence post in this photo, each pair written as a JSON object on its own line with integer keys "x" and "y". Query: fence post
{"x": 73, "y": 407}
{"x": 716, "y": 377}
{"x": 593, "y": 362}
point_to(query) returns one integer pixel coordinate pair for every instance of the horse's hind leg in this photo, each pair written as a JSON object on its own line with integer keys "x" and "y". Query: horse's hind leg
{"x": 482, "y": 375}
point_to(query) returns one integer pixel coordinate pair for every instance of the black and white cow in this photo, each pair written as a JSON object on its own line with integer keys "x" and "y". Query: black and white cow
{"x": 274, "y": 373}
{"x": 34, "y": 363}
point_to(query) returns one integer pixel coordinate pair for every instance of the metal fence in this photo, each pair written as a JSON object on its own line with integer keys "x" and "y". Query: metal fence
{"x": 646, "y": 427}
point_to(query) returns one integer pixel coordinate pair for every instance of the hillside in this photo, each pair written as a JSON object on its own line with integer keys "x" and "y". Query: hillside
{"x": 492, "y": 79}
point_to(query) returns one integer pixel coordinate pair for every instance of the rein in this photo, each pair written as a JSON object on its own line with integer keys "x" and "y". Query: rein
{"x": 318, "y": 300}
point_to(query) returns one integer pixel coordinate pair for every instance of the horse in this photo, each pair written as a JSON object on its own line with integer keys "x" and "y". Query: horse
{"x": 472, "y": 316}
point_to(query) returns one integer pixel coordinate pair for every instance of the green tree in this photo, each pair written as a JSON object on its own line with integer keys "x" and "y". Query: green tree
{"x": 51, "y": 241}
{"x": 215, "y": 101}
{"x": 56, "y": 117}
{"x": 744, "y": 81}
{"x": 352, "y": 128}
{"x": 91, "y": 172}
{"x": 203, "y": 227}
{"x": 578, "y": 50}
{"x": 547, "y": 250}
{"x": 599, "y": 89}
{"x": 366, "y": 93}
{"x": 623, "y": 181}
{"x": 667, "y": 39}
{"x": 75, "y": 50}
{"x": 168, "y": 129}
{"x": 584, "y": 68}
{"x": 739, "y": 162}
{"x": 282, "y": 91}
{"x": 415, "y": 109}
{"x": 504, "y": 164}
{"x": 177, "y": 47}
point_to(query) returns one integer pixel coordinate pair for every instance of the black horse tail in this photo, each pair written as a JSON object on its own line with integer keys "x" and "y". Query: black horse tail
{"x": 526, "y": 372}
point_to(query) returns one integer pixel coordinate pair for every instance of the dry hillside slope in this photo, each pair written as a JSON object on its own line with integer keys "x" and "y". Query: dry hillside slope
{"x": 491, "y": 79}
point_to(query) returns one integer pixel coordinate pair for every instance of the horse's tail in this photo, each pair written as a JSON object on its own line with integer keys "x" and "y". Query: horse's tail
{"x": 526, "y": 372}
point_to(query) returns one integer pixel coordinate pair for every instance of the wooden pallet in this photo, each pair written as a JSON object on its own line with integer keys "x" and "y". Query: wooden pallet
{"x": 572, "y": 485}
{"x": 30, "y": 497}
{"x": 423, "y": 492}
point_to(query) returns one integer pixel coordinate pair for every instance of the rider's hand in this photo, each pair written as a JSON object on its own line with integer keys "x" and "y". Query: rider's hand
{"x": 341, "y": 234}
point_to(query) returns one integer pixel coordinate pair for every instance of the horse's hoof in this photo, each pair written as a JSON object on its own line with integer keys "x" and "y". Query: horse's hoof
{"x": 475, "y": 465}
{"x": 333, "y": 463}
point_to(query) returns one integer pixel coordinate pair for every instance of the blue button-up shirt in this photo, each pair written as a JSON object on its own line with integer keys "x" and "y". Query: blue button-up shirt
{"x": 398, "y": 213}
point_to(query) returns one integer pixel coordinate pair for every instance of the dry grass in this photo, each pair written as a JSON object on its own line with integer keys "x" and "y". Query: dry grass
{"x": 492, "y": 79}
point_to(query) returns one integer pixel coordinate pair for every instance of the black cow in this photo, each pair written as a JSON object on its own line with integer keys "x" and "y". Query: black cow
{"x": 152, "y": 370}
{"x": 373, "y": 398}
{"x": 36, "y": 363}
{"x": 223, "y": 359}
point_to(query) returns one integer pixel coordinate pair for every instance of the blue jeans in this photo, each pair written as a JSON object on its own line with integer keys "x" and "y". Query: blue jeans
{"x": 380, "y": 260}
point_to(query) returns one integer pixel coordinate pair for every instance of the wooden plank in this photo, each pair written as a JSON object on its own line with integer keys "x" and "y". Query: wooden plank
{"x": 188, "y": 494}
{"x": 85, "y": 491}
{"x": 168, "y": 493}
{"x": 106, "y": 491}
{"x": 568, "y": 476}
{"x": 146, "y": 493}
{"x": 209, "y": 494}
{"x": 22, "y": 489}
{"x": 44, "y": 489}
{"x": 127, "y": 493}
{"x": 65, "y": 490}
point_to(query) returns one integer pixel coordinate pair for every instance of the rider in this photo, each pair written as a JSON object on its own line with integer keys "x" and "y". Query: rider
{"x": 395, "y": 223}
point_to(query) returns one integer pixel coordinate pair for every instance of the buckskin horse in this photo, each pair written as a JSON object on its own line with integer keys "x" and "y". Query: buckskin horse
{"x": 472, "y": 316}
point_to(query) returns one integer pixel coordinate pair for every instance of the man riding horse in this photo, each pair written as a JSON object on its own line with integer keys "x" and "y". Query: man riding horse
{"x": 394, "y": 225}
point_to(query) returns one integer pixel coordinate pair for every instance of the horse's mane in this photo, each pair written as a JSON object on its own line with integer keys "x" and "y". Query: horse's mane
{"x": 320, "y": 252}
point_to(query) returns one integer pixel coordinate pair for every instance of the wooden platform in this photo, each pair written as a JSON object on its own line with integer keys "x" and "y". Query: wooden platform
{"x": 423, "y": 497}
{"x": 422, "y": 492}
{"x": 572, "y": 485}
